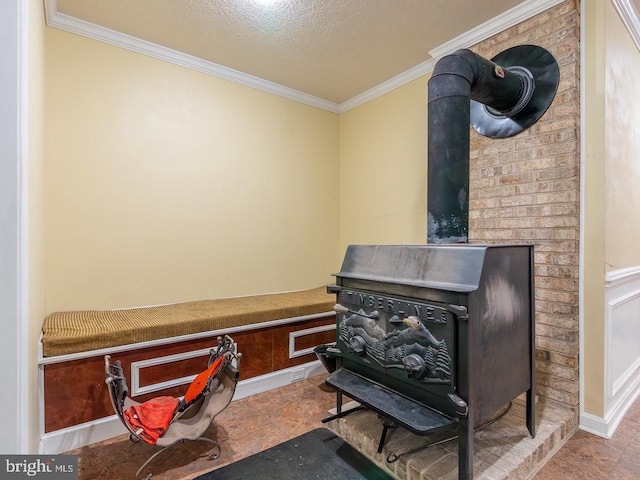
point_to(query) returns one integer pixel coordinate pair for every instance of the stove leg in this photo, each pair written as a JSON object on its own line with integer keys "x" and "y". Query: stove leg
{"x": 465, "y": 447}
{"x": 338, "y": 403}
{"x": 386, "y": 426}
{"x": 531, "y": 412}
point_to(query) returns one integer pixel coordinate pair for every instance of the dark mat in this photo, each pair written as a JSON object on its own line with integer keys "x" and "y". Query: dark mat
{"x": 317, "y": 454}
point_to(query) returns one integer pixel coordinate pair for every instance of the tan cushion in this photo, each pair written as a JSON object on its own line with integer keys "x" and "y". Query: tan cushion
{"x": 81, "y": 331}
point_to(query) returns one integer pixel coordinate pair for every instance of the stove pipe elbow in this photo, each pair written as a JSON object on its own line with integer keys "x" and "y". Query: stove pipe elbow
{"x": 456, "y": 80}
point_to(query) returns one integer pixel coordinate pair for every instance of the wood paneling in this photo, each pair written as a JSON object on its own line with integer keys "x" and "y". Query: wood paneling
{"x": 75, "y": 392}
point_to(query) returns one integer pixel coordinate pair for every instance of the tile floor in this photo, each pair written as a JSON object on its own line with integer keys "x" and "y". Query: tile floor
{"x": 256, "y": 423}
{"x": 590, "y": 457}
{"x": 245, "y": 427}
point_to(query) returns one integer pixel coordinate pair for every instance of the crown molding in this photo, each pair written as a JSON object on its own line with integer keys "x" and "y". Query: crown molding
{"x": 399, "y": 80}
{"x": 630, "y": 17}
{"x": 506, "y": 20}
{"x": 106, "y": 35}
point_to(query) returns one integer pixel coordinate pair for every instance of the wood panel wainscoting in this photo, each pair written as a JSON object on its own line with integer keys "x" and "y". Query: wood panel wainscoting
{"x": 75, "y": 406}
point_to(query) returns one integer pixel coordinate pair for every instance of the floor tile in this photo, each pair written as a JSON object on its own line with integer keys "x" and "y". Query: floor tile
{"x": 258, "y": 422}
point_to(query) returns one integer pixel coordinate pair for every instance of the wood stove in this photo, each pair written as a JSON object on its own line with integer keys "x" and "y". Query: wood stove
{"x": 435, "y": 336}
{"x": 440, "y": 335}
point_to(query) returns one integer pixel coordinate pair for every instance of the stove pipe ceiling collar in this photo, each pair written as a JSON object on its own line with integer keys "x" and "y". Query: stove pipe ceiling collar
{"x": 500, "y": 97}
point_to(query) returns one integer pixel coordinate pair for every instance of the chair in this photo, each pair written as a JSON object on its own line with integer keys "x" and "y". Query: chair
{"x": 182, "y": 419}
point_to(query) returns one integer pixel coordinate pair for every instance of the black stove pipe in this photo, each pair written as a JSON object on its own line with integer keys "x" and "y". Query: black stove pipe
{"x": 457, "y": 79}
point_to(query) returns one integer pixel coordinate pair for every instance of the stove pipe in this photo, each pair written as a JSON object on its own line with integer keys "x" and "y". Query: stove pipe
{"x": 507, "y": 98}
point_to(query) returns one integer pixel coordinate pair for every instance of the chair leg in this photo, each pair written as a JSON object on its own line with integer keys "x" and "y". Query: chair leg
{"x": 149, "y": 460}
{"x": 216, "y": 451}
{"x": 216, "y": 447}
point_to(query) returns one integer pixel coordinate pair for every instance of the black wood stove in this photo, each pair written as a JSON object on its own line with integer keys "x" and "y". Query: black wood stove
{"x": 441, "y": 335}
{"x": 430, "y": 336}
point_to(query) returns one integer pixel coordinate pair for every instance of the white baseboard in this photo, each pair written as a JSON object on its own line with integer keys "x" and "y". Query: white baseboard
{"x": 605, "y": 427}
{"x": 70, "y": 438}
{"x": 621, "y": 352}
{"x": 269, "y": 381}
{"x": 594, "y": 424}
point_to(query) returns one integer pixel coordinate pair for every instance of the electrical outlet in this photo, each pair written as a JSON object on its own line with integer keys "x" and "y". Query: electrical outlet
{"x": 297, "y": 375}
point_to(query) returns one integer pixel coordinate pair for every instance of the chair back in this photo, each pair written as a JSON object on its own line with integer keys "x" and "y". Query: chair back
{"x": 118, "y": 390}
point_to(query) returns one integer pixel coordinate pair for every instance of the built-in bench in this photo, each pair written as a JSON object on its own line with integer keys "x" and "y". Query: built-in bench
{"x": 162, "y": 347}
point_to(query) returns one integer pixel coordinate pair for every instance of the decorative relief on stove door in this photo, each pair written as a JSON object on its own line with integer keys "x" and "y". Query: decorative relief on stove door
{"x": 361, "y": 333}
{"x": 415, "y": 344}
{"x": 418, "y": 352}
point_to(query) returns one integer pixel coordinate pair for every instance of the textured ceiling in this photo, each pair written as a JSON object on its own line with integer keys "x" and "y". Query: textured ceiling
{"x": 331, "y": 49}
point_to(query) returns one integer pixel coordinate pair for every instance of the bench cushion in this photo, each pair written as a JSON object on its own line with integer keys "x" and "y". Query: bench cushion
{"x": 81, "y": 331}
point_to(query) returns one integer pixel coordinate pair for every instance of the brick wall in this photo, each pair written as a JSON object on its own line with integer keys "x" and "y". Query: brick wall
{"x": 526, "y": 189}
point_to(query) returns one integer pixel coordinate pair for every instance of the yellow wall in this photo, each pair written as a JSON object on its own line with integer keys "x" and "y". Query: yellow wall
{"x": 383, "y": 169}
{"x": 36, "y": 240}
{"x": 164, "y": 184}
{"x": 593, "y": 194}
{"x": 622, "y": 135}
{"x": 612, "y": 174}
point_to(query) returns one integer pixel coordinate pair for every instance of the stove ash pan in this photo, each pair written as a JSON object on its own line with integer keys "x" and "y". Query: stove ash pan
{"x": 434, "y": 335}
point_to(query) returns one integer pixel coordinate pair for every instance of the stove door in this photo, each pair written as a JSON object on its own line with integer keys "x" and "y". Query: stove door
{"x": 404, "y": 344}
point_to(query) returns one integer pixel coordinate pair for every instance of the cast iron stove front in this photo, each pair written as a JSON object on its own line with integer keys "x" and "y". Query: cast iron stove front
{"x": 435, "y": 336}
